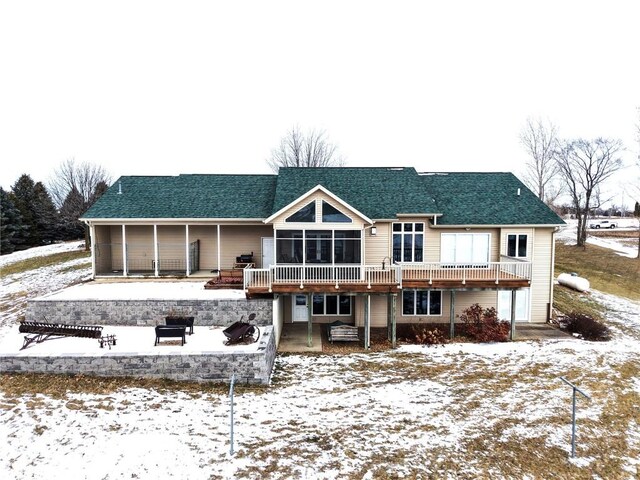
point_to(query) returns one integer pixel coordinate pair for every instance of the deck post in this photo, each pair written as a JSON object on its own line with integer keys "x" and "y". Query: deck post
{"x": 186, "y": 250}
{"x": 218, "y": 245}
{"x": 155, "y": 250}
{"x": 389, "y": 317}
{"x": 367, "y": 322}
{"x": 512, "y": 334}
{"x": 124, "y": 251}
{"x": 452, "y": 315}
{"x": 309, "y": 323}
{"x": 92, "y": 243}
{"x": 393, "y": 320}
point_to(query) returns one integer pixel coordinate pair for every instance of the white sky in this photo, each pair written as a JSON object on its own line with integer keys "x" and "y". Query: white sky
{"x": 210, "y": 87}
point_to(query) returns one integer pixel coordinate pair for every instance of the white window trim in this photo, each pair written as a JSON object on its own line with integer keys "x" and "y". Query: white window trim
{"x": 413, "y": 234}
{"x": 413, "y": 291}
{"x": 324, "y": 305}
{"x": 506, "y": 246}
{"x": 457, "y": 234}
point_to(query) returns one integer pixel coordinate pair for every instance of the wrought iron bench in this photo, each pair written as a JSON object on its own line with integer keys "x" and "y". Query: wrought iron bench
{"x": 170, "y": 331}
{"x": 42, "y": 331}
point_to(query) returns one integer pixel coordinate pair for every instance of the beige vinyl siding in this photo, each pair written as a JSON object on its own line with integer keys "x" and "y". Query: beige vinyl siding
{"x": 542, "y": 272}
{"x": 171, "y": 246}
{"x": 239, "y": 239}
{"x": 377, "y": 312}
{"x": 116, "y": 247}
{"x": 208, "y": 237}
{"x": 517, "y": 231}
{"x": 433, "y": 243}
{"x": 379, "y": 246}
{"x": 102, "y": 246}
{"x": 318, "y": 197}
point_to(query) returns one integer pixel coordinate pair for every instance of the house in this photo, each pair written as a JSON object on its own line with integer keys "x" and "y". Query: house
{"x": 369, "y": 246}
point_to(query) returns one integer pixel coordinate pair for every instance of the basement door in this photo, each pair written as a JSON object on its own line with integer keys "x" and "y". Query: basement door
{"x": 300, "y": 308}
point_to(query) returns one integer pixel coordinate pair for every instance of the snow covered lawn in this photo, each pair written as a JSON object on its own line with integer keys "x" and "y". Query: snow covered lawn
{"x": 463, "y": 410}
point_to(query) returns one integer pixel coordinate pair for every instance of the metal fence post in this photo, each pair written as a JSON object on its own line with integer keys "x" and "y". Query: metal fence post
{"x": 231, "y": 387}
{"x": 573, "y": 413}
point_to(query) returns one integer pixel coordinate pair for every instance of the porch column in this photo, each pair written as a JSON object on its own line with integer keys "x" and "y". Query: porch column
{"x": 309, "y": 323}
{"x": 389, "y": 317}
{"x": 92, "y": 236}
{"x": 512, "y": 335}
{"x": 155, "y": 250}
{"x": 367, "y": 322}
{"x": 218, "y": 242}
{"x": 452, "y": 315}
{"x": 393, "y": 320}
{"x": 124, "y": 251}
{"x": 186, "y": 247}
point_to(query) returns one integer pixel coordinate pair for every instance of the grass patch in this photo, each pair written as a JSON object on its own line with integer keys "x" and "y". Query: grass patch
{"x": 605, "y": 270}
{"x": 73, "y": 268}
{"x": 46, "y": 261}
{"x": 567, "y": 300}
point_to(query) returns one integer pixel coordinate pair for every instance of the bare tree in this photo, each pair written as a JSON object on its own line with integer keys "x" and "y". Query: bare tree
{"x": 74, "y": 187}
{"x": 584, "y": 166}
{"x": 540, "y": 140}
{"x": 298, "y": 149}
{"x": 84, "y": 177}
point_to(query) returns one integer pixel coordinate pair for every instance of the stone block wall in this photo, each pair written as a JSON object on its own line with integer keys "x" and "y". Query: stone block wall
{"x": 249, "y": 367}
{"x": 222, "y": 312}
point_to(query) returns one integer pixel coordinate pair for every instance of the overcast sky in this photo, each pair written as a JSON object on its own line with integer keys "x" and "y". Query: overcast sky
{"x": 161, "y": 87}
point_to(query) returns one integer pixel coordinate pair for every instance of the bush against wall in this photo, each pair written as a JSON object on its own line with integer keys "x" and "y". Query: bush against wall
{"x": 482, "y": 324}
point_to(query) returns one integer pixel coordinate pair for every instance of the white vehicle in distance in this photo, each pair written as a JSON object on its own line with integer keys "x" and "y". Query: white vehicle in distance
{"x": 603, "y": 224}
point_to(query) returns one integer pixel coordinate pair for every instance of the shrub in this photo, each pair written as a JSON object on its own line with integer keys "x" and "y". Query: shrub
{"x": 482, "y": 324}
{"x": 587, "y": 327}
{"x": 426, "y": 336}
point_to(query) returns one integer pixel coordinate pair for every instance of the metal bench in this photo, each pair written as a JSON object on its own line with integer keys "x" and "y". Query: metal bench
{"x": 185, "y": 321}
{"x": 170, "y": 331}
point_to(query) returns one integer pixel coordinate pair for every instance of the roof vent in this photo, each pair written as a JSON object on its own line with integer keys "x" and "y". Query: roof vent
{"x": 518, "y": 192}
{"x": 120, "y": 189}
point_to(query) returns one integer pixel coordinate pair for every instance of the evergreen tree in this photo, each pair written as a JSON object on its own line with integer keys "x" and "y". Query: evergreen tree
{"x": 21, "y": 195}
{"x": 46, "y": 215}
{"x": 72, "y": 208}
{"x": 10, "y": 223}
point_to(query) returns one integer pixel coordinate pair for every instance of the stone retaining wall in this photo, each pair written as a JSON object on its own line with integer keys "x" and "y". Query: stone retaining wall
{"x": 220, "y": 312}
{"x": 249, "y": 367}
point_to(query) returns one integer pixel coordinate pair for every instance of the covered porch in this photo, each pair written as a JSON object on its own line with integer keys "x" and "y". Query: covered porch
{"x": 174, "y": 250}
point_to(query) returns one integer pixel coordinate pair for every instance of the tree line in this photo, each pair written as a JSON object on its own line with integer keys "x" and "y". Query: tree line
{"x": 32, "y": 214}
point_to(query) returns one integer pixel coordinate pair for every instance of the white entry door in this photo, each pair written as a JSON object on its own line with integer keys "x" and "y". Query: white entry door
{"x": 268, "y": 253}
{"x": 300, "y": 308}
{"x": 522, "y": 305}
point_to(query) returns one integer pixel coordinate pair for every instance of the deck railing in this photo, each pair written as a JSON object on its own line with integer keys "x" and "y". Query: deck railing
{"x": 321, "y": 274}
{"x": 391, "y": 275}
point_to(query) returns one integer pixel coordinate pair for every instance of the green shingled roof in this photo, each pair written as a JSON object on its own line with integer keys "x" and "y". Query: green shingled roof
{"x": 379, "y": 193}
{"x": 375, "y": 192}
{"x": 486, "y": 199}
{"x": 187, "y": 196}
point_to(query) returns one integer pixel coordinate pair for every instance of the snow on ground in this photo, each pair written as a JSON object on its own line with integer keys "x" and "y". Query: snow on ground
{"x": 40, "y": 252}
{"x": 568, "y": 232}
{"x": 148, "y": 290}
{"x": 129, "y": 340}
{"x": 462, "y": 410}
{"x": 458, "y": 411}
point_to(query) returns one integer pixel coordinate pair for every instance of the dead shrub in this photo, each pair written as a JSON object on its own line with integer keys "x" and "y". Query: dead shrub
{"x": 482, "y": 324}
{"x": 586, "y": 327}
{"x": 428, "y": 336}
